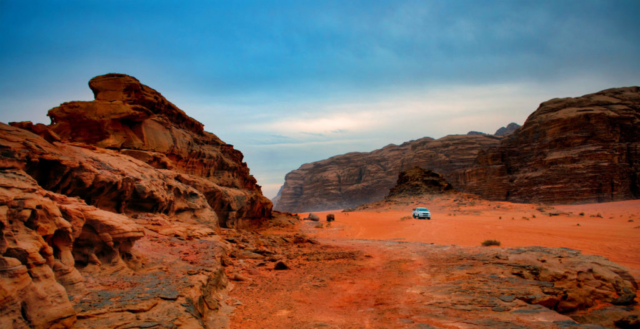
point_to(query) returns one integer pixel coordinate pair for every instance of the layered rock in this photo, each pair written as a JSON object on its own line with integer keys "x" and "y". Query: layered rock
{"x": 570, "y": 150}
{"x": 352, "y": 179}
{"x": 43, "y": 237}
{"x": 137, "y": 121}
{"x": 77, "y": 195}
{"x": 417, "y": 182}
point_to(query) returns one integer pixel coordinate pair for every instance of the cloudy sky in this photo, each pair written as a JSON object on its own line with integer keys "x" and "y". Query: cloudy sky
{"x": 291, "y": 82}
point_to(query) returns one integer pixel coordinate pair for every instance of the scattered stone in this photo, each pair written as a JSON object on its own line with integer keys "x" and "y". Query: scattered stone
{"x": 281, "y": 266}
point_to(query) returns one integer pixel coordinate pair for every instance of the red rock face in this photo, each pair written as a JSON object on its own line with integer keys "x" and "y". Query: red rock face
{"x": 75, "y": 197}
{"x": 352, "y": 179}
{"x": 139, "y": 122}
{"x": 570, "y": 150}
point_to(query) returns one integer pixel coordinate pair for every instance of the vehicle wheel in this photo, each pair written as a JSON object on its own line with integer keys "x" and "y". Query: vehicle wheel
{"x": 414, "y": 216}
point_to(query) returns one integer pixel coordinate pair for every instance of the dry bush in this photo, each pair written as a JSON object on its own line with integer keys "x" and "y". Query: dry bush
{"x": 487, "y": 243}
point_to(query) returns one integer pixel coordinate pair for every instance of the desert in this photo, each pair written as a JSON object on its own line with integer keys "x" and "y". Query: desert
{"x": 369, "y": 164}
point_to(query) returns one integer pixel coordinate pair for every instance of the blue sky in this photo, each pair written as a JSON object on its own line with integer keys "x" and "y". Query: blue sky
{"x": 291, "y": 82}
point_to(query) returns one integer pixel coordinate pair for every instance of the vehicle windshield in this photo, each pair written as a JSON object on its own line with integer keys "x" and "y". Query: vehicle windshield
{"x": 422, "y": 209}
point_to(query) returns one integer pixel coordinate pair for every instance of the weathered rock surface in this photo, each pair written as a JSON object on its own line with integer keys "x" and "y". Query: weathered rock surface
{"x": 352, "y": 179}
{"x": 110, "y": 216}
{"x": 417, "y": 182}
{"x": 139, "y": 122}
{"x": 570, "y": 150}
{"x": 43, "y": 237}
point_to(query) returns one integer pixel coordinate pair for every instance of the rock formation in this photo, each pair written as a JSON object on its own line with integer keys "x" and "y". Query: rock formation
{"x": 570, "y": 150}
{"x": 503, "y": 131}
{"x": 352, "y": 179}
{"x": 417, "y": 181}
{"x": 137, "y": 121}
{"x": 77, "y": 195}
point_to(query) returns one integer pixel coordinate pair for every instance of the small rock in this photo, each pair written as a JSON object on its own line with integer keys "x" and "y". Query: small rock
{"x": 313, "y": 217}
{"x": 628, "y": 322}
{"x": 280, "y": 266}
{"x": 239, "y": 277}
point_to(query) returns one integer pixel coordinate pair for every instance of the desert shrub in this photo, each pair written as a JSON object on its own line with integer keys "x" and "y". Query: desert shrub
{"x": 599, "y": 215}
{"x": 405, "y": 218}
{"x": 534, "y": 216}
{"x": 581, "y": 214}
{"x": 487, "y": 243}
{"x": 527, "y": 218}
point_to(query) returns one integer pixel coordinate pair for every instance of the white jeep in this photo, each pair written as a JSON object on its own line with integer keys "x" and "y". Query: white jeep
{"x": 421, "y": 213}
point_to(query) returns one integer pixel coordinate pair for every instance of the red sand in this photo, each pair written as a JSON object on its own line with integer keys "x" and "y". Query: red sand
{"x": 615, "y": 235}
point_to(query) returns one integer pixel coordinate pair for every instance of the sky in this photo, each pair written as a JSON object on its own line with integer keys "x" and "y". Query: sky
{"x": 292, "y": 82}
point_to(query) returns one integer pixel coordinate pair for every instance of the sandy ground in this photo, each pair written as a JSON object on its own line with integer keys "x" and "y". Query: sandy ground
{"x": 468, "y": 222}
{"x": 368, "y": 280}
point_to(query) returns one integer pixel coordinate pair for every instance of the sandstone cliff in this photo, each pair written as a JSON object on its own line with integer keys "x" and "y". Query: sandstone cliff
{"x": 352, "y": 179}
{"x": 570, "y": 150}
{"x": 128, "y": 168}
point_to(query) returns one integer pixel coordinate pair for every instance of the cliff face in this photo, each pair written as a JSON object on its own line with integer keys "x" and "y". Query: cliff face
{"x": 570, "y": 150}
{"x": 352, "y": 179}
{"x": 128, "y": 168}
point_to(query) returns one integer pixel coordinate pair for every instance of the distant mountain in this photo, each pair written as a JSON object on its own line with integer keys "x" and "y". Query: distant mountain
{"x": 507, "y": 130}
{"x": 584, "y": 149}
{"x": 351, "y": 179}
{"x": 277, "y": 197}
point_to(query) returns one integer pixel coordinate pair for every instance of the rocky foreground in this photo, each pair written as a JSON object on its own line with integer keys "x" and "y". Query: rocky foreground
{"x": 78, "y": 195}
{"x": 570, "y": 150}
{"x": 396, "y": 284}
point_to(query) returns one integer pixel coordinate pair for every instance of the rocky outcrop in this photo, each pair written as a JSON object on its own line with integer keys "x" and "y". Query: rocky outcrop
{"x": 494, "y": 287}
{"x": 417, "y": 182}
{"x": 352, "y": 179}
{"x": 570, "y": 150}
{"x": 103, "y": 212}
{"x": 503, "y": 131}
{"x": 139, "y": 122}
{"x": 43, "y": 237}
